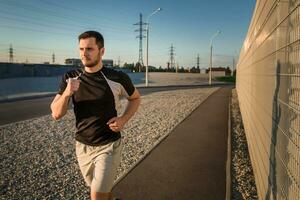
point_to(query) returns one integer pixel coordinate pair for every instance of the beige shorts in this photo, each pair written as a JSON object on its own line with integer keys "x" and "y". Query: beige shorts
{"x": 98, "y": 164}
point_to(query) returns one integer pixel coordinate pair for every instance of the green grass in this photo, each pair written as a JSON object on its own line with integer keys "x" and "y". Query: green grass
{"x": 227, "y": 79}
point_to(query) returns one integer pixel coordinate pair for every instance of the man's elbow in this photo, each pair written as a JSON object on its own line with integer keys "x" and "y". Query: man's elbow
{"x": 135, "y": 100}
{"x": 56, "y": 116}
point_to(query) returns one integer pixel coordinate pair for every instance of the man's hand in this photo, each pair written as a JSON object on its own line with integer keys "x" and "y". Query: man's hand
{"x": 73, "y": 85}
{"x": 59, "y": 105}
{"x": 116, "y": 124}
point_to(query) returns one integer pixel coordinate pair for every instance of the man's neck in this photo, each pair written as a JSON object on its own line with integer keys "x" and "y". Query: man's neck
{"x": 94, "y": 69}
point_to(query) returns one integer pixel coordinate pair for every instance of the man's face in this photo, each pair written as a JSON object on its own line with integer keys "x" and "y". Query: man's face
{"x": 90, "y": 53}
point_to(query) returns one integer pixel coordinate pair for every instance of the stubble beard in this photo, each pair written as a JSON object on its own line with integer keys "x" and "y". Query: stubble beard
{"x": 93, "y": 64}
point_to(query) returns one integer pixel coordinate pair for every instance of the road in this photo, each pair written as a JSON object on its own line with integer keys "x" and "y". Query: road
{"x": 11, "y": 112}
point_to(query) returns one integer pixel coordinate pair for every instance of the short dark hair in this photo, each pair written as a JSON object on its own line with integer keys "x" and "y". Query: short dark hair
{"x": 93, "y": 34}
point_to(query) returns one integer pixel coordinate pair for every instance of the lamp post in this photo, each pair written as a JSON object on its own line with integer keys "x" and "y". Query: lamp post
{"x": 234, "y": 62}
{"x": 147, "y": 22}
{"x": 210, "y": 58}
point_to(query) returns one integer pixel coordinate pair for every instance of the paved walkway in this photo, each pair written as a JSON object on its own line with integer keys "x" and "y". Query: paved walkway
{"x": 190, "y": 163}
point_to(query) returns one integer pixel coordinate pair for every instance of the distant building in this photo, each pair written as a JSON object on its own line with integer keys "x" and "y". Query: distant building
{"x": 108, "y": 62}
{"x": 217, "y": 71}
{"x": 73, "y": 61}
{"x": 202, "y": 71}
{"x": 77, "y": 62}
{"x": 123, "y": 70}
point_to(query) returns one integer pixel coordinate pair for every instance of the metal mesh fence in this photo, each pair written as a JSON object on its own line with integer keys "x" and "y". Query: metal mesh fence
{"x": 268, "y": 87}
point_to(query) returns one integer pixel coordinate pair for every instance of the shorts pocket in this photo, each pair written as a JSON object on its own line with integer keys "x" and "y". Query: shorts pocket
{"x": 117, "y": 143}
{"x": 80, "y": 148}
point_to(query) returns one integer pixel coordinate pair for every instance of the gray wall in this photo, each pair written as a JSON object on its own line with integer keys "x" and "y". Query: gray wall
{"x": 268, "y": 86}
{"x": 14, "y": 70}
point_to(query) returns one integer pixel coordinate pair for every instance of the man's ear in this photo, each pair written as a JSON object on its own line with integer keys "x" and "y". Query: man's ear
{"x": 102, "y": 50}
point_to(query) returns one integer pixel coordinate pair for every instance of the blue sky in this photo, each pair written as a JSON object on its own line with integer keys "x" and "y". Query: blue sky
{"x": 38, "y": 28}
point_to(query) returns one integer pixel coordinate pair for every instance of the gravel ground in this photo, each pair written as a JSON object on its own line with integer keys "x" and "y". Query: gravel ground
{"x": 38, "y": 155}
{"x": 243, "y": 183}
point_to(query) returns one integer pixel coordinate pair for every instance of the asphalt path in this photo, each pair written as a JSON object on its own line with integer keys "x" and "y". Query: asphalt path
{"x": 188, "y": 164}
{"x": 20, "y": 110}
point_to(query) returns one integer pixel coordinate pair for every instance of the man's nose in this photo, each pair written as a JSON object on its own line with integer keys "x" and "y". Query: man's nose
{"x": 85, "y": 52}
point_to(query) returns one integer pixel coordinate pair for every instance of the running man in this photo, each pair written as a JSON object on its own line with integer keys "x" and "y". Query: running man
{"x": 95, "y": 92}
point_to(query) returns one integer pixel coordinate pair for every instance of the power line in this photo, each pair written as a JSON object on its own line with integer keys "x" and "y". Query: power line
{"x": 103, "y": 17}
{"x": 40, "y": 24}
{"x": 35, "y": 30}
{"x": 11, "y": 54}
{"x": 198, "y": 62}
{"x": 172, "y": 60}
{"x": 55, "y": 25}
{"x": 34, "y": 49}
{"x": 53, "y": 58}
{"x": 12, "y": 57}
{"x": 45, "y": 12}
{"x": 25, "y": 52}
{"x": 140, "y": 36}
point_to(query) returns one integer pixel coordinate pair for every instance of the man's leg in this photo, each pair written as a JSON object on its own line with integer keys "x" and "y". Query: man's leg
{"x": 105, "y": 171}
{"x": 84, "y": 161}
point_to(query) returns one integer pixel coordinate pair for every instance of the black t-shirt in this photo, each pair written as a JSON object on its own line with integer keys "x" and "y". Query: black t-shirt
{"x": 97, "y": 101}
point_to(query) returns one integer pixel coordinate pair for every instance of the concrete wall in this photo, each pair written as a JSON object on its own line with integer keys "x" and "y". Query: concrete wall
{"x": 14, "y": 70}
{"x": 218, "y": 73}
{"x": 268, "y": 86}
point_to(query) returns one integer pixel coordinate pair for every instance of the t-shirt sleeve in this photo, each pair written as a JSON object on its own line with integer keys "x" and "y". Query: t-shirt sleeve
{"x": 62, "y": 85}
{"x": 127, "y": 85}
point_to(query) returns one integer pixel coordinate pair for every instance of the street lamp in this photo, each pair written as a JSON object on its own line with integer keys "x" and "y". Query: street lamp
{"x": 210, "y": 59}
{"x": 147, "y": 22}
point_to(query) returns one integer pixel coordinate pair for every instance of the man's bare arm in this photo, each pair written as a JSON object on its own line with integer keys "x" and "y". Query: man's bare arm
{"x": 133, "y": 103}
{"x": 59, "y": 105}
{"x": 117, "y": 123}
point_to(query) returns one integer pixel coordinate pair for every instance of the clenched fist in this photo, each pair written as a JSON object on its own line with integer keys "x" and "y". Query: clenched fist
{"x": 73, "y": 85}
{"x": 116, "y": 124}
